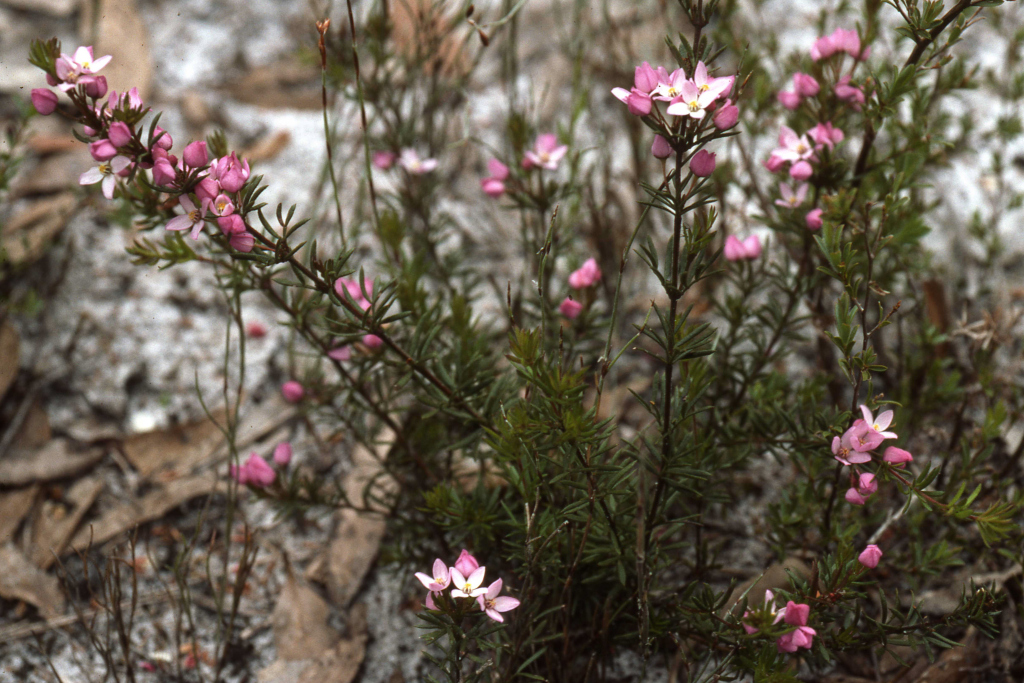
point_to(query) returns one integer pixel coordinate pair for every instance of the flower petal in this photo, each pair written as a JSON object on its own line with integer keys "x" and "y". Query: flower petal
{"x": 505, "y": 603}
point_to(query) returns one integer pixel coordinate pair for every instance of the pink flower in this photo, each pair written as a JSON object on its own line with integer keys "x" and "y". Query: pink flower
{"x": 796, "y": 615}
{"x": 344, "y": 286}
{"x": 222, "y": 206}
{"x": 256, "y": 329}
{"x": 790, "y": 199}
{"x": 195, "y": 154}
{"x": 847, "y": 40}
{"x": 498, "y": 170}
{"x": 492, "y": 604}
{"x": 880, "y": 424}
{"x": 384, "y": 160}
{"x": 192, "y": 219}
{"x": 231, "y": 224}
{"x": 340, "y": 353}
{"x": 283, "y": 453}
{"x": 163, "y": 167}
{"x": 569, "y": 308}
{"x": 102, "y": 150}
{"x": 801, "y": 170}
{"x": 769, "y": 608}
{"x": 805, "y": 85}
{"x": 726, "y": 116}
{"x": 254, "y": 472}
{"x": 439, "y": 580}
{"x": 106, "y": 174}
{"x": 718, "y": 86}
{"x": 789, "y": 100}
{"x": 546, "y": 152}
{"x": 639, "y": 102}
{"x": 79, "y": 67}
{"x": 128, "y": 99}
{"x": 119, "y": 134}
{"x": 494, "y": 186}
{"x": 748, "y": 249}
{"x": 793, "y": 147}
{"x": 207, "y": 189}
{"x": 292, "y": 391}
{"x": 463, "y": 587}
{"x": 692, "y": 101}
{"x": 467, "y": 564}
{"x": 587, "y": 275}
{"x": 161, "y": 138}
{"x": 863, "y": 438}
{"x": 669, "y": 87}
{"x": 849, "y": 93}
{"x": 96, "y": 87}
{"x": 45, "y": 101}
{"x": 866, "y": 484}
{"x": 661, "y": 149}
{"x": 411, "y": 162}
{"x": 897, "y": 456}
{"x": 825, "y": 134}
{"x": 774, "y": 163}
{"x": 702, "y": 164}
{"x": 870, "y": 557}
{"x": 842, "y": 449}
{"x": 372, "y": 341}
{"x": 853, "y": 497}
{"x": 645, "y": 78}
{"x": 241, "y": 241}
{"x": 813, "y": 219}
{"x": 231, "y": 173}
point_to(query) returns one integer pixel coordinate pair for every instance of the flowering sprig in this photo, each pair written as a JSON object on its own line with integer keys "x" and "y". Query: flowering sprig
{"x": 465, "y": 578}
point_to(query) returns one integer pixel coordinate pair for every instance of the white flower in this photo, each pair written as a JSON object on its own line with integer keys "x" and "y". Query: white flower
{"x": 106, "y": 173}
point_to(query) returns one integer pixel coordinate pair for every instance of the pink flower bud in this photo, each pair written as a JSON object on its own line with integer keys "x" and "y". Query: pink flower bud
{"x": 102, "y": 150}
{"x": 195, "y": 154}
{"x": 774, "y": 163}
{"x": 661, "y": 149}
{"x": 813, "y": 219}
{"x": 801, "y": 170}
{"x": 870, "y": 557}
{"x": 702, "y": 164}
{"x": 163, "y": 173}
{"x": 96, "y": 87}
{"x": 753, "y": 247}
{"x": 207, "y": 189}
{"x": 232, "y": 173}
{"x": 897, "y": 456}
{"x": 645, "y": 78}
{"x": 499, "y": 171}
{"x": 340, "y": 353}
{"x": 492, "y": 187}
{"x": 242, "y": 241}
{"x": 256, "y": 472}
{"x": 586, "y": 276}
{"x": 256, "y": 329}
{"x": 726, "y": 116}
{"x": 466, "y": 564}
{"x": 162, "y": 139}
{"x": 119, "y": 134}
{"x": 292, "y": 391}
{"x": 789, "y": 100}
{"x": 51, "y": 81}
{"x": 372, "y": 341}
{"x": 866, "y": 484}
{"x": 805, "y": 85}
{"x": 384, "y": 160}
{"x": 854, "y": 498}
{"x": 232, "y": 224}
{"x": 796, "y": 614}
{"x": 45, "y": 101}
{"x": 569, "y": 308}
{"x": 639, "y": 103}
{"x": 849, "y": 93}
{"x": 283, "y": 453}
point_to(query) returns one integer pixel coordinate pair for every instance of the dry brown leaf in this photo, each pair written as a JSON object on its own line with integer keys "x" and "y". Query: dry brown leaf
{"x": 10, "y": 351}
{"x": 55, "y": 460}
{"x": 268, "y": 146}
{"x": 287, "y": 85}
{"x": 57, "y": 522}
{"x": 149, "y": 507}
{"x": 300, "y": 622}
{"x": 14, "y": 505}
{"x": 339, "y": 664}
{"x": 27, "y": 235}
{"x": 21, "y": 580}
{"x": 117, "y": 29}
{"x": 352, "y": 552}
{"x": 35, "y": 431}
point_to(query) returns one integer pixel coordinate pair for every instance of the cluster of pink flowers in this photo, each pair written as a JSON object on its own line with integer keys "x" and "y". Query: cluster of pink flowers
{"x": 546, "y": 154}
{"x": 119, "y": 150}
{"x": 257, "y": 472}
{"x": 800, "y": 152}
{"x": 408, "y": 158}
{"x": 466, "y": 577}
{"x": 854, "y": 448}
{"x": 793, "y": 614}
{"x": 742, "y": 250}
{"x": 585, "y": 277}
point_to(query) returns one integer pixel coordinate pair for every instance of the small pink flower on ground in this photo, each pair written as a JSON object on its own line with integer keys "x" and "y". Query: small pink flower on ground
{"x": 192, "y": 219}
{"x": 96, "y": 87}
{"x": 546, "y": 152}
{"x": 411, "y": 162}
{"x": 493, "y": 604}
{"x": 726, "y": 116}
{"x": 897, "y": 456}
{"x": 661, "y": 149}
{"x": 492, "y": 187}
{"x": 106, "y": 174}
{"x": 702, "y": 164}
{"x": 466, "y": 563}
{"x": 791, "y": 199}
{"x": 292, "y": 391}
{"x": 384, "y": 160}
{"x": 789, "y": 100}
{"x": 870, "y": 557}
{"x": 254, "y": 472}
{"x": 372, "y": 341}
{"x": 736, "y": 250}
{"x": 45, "y": 101}
{"x": 283, "y": 454}
{"x": 586, "y": 276}
{"x": 340, "y": 353}
{"x": 119, "y": 134}
{"x": 879, "y": 424}
{"x": 570, "y": 308}
{"x": 691, "y": 102}
{"x": 102, "y": 150}
{"x": 195, "y": 154}
{"x": 439, "y": 579}
{"x": 256, "y": 329}
{"x": 805, "y": 85}
{"x": 813, "y": 219}
{"x": 801, "y": 170}
{"x": 825, "y": 134}
{"x": 232, "y": 173}
{"x": 467, "y": 587}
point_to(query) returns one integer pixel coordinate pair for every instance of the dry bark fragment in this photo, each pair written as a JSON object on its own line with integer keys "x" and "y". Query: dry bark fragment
{"x": 54, "y": 526}
{"x": 300, "y": 623}
{"x": 10, "y": 349}
{"x": 29, "y": 233}
{"x": 55, "y": 460}
{"x": 21, "y": 580}
{"x": 14, "y": 505}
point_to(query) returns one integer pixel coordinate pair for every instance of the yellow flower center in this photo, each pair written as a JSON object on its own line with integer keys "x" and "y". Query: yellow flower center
{"x": 105, "y": 169}
{"x": 194, "y": 216}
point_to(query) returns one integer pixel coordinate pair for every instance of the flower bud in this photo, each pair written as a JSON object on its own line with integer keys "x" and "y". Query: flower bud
{"x": 195, "y": 154}
{"x": 162, "y": 139}
{"x": 726, "y": 116}
{"x": 801, "y": 170}
{"x": 870, "y": 557}
{"x": 119, "y": 134}
{"x": 789, "y": 100}
{"x": 702, "y": 164}
{"x": 384, "y": 160}
{"x": 813, "y": 219}
{"x": 232, "y": 224}
{"x": 372, "y": 341}
{"x": 661, "y": 149}
{"x": 492, "y": 187}
{"x": 570, "y": 309}
{"x": 102, "y": 150}
{"x": 242, "y": 241}
{"x": 283, "y": 453}
{"x": 292, "y": 391}
{"x": 805, "y": 85}
{"x": 45, "y": 101}
{"x": 96, "y": 87}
